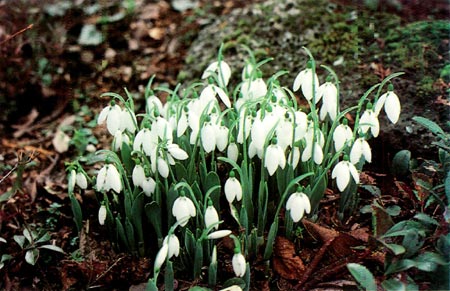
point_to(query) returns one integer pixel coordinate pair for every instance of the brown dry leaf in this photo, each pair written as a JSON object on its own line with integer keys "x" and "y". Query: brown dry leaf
{"x": 25, "y": 127}
{"x": 360, "y": 233}
{"x": 319, "y": 232}
{"x": 285, "y": 261}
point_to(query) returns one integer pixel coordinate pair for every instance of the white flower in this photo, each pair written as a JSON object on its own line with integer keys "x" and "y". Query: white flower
{"x": 138, "y": 175}
{"x": 174, "y": 245}
{"x": 294, "y": 157}
{"x": 161, "y": 257}
{"x": 360, "y": 148}
{"x": 232, "y": 288}
{"x": 163, "y": 167}
{"x": 253, "y": 89}
{"x": 81, "y": 181}
{"x": 211, "y": 217}
{"x": 127, "y": 121}
{"x": 233, "y": 188}
{"x": 330, "y": 103}
{"x": 274, "y": 158}
{"x": 219, "y": 234}
{"x": 342, "y": 172}
{"x": 297, "y": 204}
{"x": 239, "y": 264}
{"x": 342, "y": 135}
{"x": 176, "y": 152}
{"x": 112, "y": 114}
{"x": 119, "y": 139}
{"x": 154, "y": 102}
{"x": 210, "y": 92}
{"x": 223, "y": 71}
{"x": 109, "y": 178}
{"x": 369, "y": 120}
{"x": 148, "y": 186}
{"x": 233, "y": 152}
{"x": 305, "y": 81}
{"x": 208, "y": 136}
{"x": 221, "y": 137}
{"x": 102, "y": 215}
{"x": 72, "y": 179}
{"x": 146, "y": 140}
{"x": 391, "y": 104}
{"x": 183, "y": 208}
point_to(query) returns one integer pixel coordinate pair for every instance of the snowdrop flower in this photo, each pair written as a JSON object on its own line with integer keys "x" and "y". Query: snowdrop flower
{"x": 297, "y": 204}
{"x": 127, "y": 121}
{"x": 232, "y": 288}
{"x": 294, "y": 157}
{"x": 102, "y": 215}
{"x": 221, "y": 137}
{"x": 233, "y": 188}
{"x": 360, "y": 148}
{"x": 239, "y": 263}
{"x": 81, "y": 180}
{"x": 146, "y": 140}
{"x": 342, "y": 172}
{"x": 138, "y": 175}
{"x": 219, "y": 234}
{"x": 176, "y": 152}
{"x": 223, "y": 71}
{"x": 391, "y": 104}
{"x": 313, "y": 148}
{"x": 208, "y": 136}
{"x": 210, "y": 92}
{"x": 211, "y": 216}
{"x": 163, "y": 167}
{"x": 301, "y": 125}
{"x": 305, "y": 80}
{"x": 109, "y": 178}
{"x": 369, "y": 121}
{"x": 161, "y": 257}
{"x": 233, "y": 152}
{"x": 253, "y": 89}
{"x": 182, "y": 123}
{"x": 72, "y": 179}
{"x": 342, "y": 135}
{"x": 112, "y": 114}
{"x": 173, "y": 245}
{"x": 119, "y": 139}
{"x": 183, "y": 208}
{"x": 274, "y": 157}
{"x": 330, "y": 103}
{"x": 149, "y": 186}
{"x": 154, "y": 103}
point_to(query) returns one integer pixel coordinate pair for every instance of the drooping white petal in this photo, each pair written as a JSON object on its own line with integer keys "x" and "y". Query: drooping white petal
{"x": 271, "y": 160}
{"x": 233, "y": 152}
{"x": 239, "y": 265}
{"x": 222, "y": 138}
{"x": 163, "y": 168}
{"x": 149, "y": 186}
{"x": 294, "y": 157}
{"x": 176, "y": 152}
{"x": 102, "y": 215}
{"x": 208, "y": 137}
{"x": 353, "y": 172}
{"x": 173, "y": 245}
{"x": 223, "y": 96}
{"x": 182, "y": 124}
{"x": 72, "y": 179}
{"x": 81, "y": 180}
{"x": 342, "y": 174}
{"x": 318, "y": 154}
{"x": 127, "y": 121}
{"x": 113, "y": 180}
{"x": 211, "y": 217}
{"x": 161, "y": 257}
{"x": 380, "y": 103}
{"x": 341, "y": 136}
{"x": 219, "y": 234}
{"x": 233, "y": 189}
{"x": 103, "y": 115}
{"x": 101, "y": 179}
{"x": 138, "y": 175}
{"x": 298, "y": 203}
{"x": 392, "y": 107}
{"x": 113, "y": 119}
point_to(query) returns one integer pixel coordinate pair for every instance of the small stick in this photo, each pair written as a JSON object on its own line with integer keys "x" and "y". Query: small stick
{"x": 17, "y": 33}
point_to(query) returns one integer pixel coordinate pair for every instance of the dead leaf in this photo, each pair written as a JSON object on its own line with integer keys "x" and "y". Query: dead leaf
{"x": 61, "y": 141}
{"x": 157, "y": 33}
{"x": 285, "y": 261}
{"x": 25, "y": 127}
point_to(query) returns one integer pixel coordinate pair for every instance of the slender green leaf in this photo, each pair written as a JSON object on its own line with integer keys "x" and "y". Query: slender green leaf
{"x": 151, "y": 285}
{"x": 393, "y": 285}
{"x": 46, "y": 237}
{"x": 429, "y": 124}
{"x": 127, "y": 160}
{"x": 52, "y": 248}
{"x": 198, "y": 260}
{"x": 363, "y": 276}
{"x": 399, "y": 266}
{"x": 270, "y": 239}
{"x": 169, "y": 276}
{"x": 153, "y": 212}
{"x": 77, "y": 213}
{"x": 425, "y": 218}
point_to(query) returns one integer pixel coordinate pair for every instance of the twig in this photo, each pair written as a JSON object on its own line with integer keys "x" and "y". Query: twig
{"x": 16, "y": 33}
{"x": 20, "y": 162}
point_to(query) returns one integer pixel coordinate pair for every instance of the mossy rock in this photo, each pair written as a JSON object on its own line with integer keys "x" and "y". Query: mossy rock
{"x": 359, "y": 45}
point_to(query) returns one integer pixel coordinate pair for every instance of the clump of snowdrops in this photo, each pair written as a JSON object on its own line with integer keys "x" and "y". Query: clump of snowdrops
{"x": 250, "y": 154}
